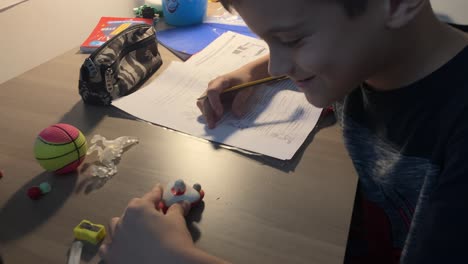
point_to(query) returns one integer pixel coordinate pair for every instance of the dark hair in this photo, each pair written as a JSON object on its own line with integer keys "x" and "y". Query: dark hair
{"x": 352, "y": 7}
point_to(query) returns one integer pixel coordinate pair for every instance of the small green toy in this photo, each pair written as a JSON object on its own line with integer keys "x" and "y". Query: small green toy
{"x": 146, "y": 11}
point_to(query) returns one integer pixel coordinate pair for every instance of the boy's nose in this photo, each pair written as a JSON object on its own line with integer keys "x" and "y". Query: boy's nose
{"x": 280, "y": 63}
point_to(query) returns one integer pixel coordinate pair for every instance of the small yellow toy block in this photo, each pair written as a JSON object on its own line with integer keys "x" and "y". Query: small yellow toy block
{"x": 90, "y": 232}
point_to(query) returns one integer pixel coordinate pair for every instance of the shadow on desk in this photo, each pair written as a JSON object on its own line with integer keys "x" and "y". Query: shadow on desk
{"x": 87, "y": 117}
{"x": 21, "y": 215}
{"x": 287, "y": 165}
{"x": 193, "y": 217}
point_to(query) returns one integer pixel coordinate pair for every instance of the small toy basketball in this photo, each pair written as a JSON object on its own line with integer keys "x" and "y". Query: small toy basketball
{"x": 60, "y": 148}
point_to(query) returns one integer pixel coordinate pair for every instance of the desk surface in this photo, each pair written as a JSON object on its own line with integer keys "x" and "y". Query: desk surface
{"x": 256, "y": 210}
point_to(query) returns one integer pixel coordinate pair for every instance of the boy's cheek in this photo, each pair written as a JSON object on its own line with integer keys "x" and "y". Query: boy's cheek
{"x": 317, "y": 63}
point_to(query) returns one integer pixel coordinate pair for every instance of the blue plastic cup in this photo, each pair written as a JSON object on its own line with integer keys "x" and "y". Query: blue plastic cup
{"x": 184, "y": 12}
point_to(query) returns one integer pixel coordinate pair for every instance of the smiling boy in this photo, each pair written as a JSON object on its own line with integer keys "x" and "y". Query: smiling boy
{"x": 398, "y": 80}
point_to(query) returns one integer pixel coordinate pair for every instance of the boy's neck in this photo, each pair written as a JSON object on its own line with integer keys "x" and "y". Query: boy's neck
{"x": 419, "y": 49}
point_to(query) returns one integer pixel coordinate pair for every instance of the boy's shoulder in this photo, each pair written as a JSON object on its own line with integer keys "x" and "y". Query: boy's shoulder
{"x": 450, "y": 87}
{"x": 431, "y": 107}
{"x": 455, "y": 71}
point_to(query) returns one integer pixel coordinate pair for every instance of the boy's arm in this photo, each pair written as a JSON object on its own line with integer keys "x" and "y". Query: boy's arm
{"x": 259, "y": 67}
{"x": 144, "y": 234}
{"x": 440, "y": 233}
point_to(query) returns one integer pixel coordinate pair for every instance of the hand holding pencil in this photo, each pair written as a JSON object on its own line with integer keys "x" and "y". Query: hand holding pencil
{"x": 248, "y": 84}
{"x": 211, "y": 105}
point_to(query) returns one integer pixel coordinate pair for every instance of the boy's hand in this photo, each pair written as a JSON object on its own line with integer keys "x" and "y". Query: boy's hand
{"x": 214, "y": 105}
{"x": 145, "y": 235}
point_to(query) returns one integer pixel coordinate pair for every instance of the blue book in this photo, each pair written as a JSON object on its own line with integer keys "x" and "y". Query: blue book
{"x": 186, "y": 41}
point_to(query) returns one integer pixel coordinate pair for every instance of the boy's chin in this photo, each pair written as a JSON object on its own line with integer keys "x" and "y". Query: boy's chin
{"x": 318, "y": 101}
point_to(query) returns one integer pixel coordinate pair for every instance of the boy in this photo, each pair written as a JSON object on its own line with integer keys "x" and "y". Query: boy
{"x": 396, "y": 78}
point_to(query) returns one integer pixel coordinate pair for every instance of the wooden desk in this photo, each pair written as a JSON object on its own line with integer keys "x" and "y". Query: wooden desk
{"x": 255, "y": 210}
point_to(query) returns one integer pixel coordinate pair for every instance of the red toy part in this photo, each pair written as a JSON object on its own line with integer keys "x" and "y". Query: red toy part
{"x": 34, "y": 193}
{"x": 177, "y": 192}
{"x": 1, "y": 174}
{"x": 161, "y": 206}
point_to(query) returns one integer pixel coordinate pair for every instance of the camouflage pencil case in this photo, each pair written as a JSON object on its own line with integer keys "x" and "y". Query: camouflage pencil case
{"x": 120, "y": 66}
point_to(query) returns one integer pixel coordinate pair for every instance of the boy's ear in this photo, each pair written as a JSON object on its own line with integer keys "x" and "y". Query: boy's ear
{"x": 400, "y": 12}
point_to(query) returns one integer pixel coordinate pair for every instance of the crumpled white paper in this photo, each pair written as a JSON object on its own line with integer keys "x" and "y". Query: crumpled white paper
{"x": 108, "y": 151}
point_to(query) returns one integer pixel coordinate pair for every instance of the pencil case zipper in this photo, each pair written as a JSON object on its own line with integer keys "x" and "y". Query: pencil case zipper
{"x": 131, "y": 48}
{"x": 111, "y": 69}
{"x": 134, "y": 27}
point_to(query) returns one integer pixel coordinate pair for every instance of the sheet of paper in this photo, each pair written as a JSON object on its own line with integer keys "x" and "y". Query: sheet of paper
{"x": 222, "y": 16}
{"x": 228, "y": 52}
{"x": 277, "y": 125}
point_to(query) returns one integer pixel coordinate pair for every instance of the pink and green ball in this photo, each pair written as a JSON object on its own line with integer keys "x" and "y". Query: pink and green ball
{"x": 60, "y": 148}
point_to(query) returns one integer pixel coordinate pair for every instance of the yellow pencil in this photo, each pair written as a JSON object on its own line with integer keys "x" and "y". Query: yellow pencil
{"x": 248, "y": 84}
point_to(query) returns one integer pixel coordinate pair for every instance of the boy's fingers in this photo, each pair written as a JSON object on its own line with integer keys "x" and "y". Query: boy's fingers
{"x": 181, "y": 208}
{"x": 209, "y": 114}
{"x": 240, "y": 103}
{"x": 103, "y": 249}
{"x": 215, "y": 88}
{"x": 215, "y": 102}
{"x": 155, "y": 195}
{"x": 200, "y": 105}
{"x": 112, "y": 225}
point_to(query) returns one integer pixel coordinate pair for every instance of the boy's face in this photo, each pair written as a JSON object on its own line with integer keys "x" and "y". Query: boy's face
{"x": 318, "y": 45}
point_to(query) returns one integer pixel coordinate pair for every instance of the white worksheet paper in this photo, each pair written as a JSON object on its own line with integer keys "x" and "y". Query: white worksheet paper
{"x": 277, "y": 124}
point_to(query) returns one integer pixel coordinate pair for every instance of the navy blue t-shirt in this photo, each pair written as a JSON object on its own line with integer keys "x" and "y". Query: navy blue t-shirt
{"x": 410, "y": 150}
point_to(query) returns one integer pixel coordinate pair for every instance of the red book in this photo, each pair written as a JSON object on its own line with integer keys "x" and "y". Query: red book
{"x": 107, "y": 28}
